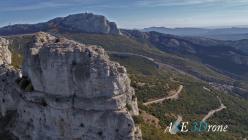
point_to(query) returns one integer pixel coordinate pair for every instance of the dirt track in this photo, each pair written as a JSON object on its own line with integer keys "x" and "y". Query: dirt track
{"x": 212, "y": 112}
{"x": 171, "y": 97}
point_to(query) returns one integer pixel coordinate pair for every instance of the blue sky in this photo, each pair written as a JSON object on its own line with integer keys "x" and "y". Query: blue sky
{"x": 132, "y": 13}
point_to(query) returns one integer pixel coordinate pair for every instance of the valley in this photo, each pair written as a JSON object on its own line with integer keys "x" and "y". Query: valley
{"x": 172, "y": 75}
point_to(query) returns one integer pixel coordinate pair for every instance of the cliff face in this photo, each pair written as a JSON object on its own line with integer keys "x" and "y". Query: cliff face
{"x": 74, "y": 92}
{"x": 7, "y": 76}
{"x": 8, "y": 94}
{"x": 85, "y": 22}
{"x": 5, "y": 55}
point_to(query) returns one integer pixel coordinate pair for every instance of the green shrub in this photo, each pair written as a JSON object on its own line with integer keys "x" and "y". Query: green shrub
{"x": 129, "y": 108}
{"x": 138, "y": 119}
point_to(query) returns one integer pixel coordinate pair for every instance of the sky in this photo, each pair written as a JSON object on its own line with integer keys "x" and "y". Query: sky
{"x": 132, "y": 13}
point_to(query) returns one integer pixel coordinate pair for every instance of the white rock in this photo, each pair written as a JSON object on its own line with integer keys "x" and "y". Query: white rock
{"x": 79, "y": 94}
{"x": 5, "y": 54}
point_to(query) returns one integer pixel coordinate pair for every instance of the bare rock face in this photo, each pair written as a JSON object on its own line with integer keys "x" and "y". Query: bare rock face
{"x": 85, "y": 22}
{"x": 5, "y": 54}
{"x": 9, "y": 96}
{"x": 78, "y": 94}
{"x": 7, "y": 76}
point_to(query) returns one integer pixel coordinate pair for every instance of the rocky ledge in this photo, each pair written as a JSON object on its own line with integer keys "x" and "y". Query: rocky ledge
{"x": 69, "y": 91}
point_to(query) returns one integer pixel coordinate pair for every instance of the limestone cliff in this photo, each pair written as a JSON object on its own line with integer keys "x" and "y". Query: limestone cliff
{"x": 8, "y": 94}
{"x": 85, "y": 23}
{"x": 7, "y": 77}
{"x": 71, "y": 91}
{"x": 5, "y": 55}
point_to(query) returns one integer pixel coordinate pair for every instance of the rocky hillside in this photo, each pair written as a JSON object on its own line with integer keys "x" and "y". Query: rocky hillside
{"x": 220, "y": 55}
{"x": 67, "y": 91}
{"x": 83, "y": 23}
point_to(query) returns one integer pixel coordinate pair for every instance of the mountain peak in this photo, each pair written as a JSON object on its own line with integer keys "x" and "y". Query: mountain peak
{"x": 82, "y": 23}
{"x": 85, "y": 22}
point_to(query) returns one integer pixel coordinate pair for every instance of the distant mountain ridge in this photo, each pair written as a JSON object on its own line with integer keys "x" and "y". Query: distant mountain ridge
{"x": 233, "y": 33}
{"x": 227, "y": 56}
{"x": 201, "y": 57}
{"x": 83, "y": 23}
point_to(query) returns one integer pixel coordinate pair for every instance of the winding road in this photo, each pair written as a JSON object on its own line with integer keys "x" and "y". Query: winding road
{"x": 174, "y": 96}
{"x": 212, "y": 112}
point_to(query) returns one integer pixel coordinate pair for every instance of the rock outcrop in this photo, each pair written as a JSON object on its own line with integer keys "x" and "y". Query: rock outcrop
{"x": 79, "y": 23}
{"x": 8, "y": 94}
{"x": 71, "y": 91}
{"x": 7, "y": 77}
{"x": 5, "y": 54}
